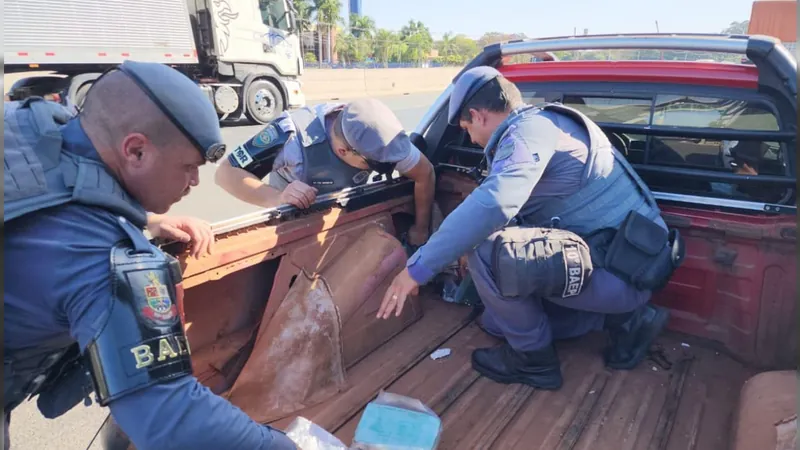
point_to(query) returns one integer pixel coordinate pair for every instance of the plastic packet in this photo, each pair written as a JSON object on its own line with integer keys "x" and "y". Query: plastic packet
{"x": 395, "y": 422}
{"x": 307, "y": 435}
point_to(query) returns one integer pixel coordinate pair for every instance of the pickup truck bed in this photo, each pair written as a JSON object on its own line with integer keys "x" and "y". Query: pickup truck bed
{"x": 281, "y": 319}
{"x": 687, "y": 406}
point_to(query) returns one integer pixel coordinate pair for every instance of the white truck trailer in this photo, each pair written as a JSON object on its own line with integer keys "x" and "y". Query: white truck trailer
{"x": 245, "y": 54}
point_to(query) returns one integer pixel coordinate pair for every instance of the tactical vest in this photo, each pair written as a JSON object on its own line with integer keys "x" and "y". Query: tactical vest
{"x": 322, "y": 168}
{"x": 39, "y": 174}
{"x": 616, "y": 214}
{"x": 600, "y": 203}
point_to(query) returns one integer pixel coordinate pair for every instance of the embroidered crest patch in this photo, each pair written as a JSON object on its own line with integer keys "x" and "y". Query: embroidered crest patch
{"x": 265, "y": 137}
{"x": 158, "y": 305}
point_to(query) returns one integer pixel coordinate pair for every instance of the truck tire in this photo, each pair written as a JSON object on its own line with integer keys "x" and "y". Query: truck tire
{"x": 78, "y": 87}
{"x": 264, "y": 101}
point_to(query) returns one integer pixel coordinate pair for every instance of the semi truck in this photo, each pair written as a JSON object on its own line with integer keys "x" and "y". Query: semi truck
{"x": 244, "y": 54}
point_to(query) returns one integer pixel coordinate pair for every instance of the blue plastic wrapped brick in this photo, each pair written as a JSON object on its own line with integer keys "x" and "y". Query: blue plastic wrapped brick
{"x": 395, "y": 422}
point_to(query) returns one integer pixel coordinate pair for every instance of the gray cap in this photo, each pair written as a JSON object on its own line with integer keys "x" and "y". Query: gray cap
{"x": 467, "y": 85}
{"x": 372, "y": 129}
{"x": 183, "y": 102}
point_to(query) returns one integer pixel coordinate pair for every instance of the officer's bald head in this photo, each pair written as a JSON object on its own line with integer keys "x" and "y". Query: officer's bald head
{"x": 145, "y": 151}
{"x": 115, "y": 106}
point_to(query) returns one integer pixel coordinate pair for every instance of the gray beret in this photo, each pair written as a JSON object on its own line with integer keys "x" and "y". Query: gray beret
{"x": 466, "y": 86}
{"x": 372, "y": 129}
{"x": 182, "y": 101}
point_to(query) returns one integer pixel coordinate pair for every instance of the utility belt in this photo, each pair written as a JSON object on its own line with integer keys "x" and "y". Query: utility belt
{"x": 59, "y": 379}
{"x": 640, "y": 252}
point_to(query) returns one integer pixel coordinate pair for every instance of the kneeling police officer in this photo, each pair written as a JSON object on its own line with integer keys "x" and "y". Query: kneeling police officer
{"x": 90, "y": 303}
{"x": 571, "y": 240}
{"x": 326, "y": 148}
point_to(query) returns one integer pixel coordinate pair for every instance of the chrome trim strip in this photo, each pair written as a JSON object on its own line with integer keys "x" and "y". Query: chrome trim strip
{"x": 264, "y": 215}
{"x": 692, "y": 42}
{"x": 726, "y": 203}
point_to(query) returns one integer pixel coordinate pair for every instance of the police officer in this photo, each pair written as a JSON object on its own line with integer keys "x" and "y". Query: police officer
{"x": 326, "y": 148}
{"x": 570, "y": 241}
{"x": 90, "y": 303}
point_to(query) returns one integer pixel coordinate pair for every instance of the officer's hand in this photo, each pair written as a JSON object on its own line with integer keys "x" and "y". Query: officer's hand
{"x": 463, "y": 265}
{"x": 183, "y": 229}
{"x": 417, "y": 235}
{"x": 299, "y": 194}
{"x": 396, "y": 295}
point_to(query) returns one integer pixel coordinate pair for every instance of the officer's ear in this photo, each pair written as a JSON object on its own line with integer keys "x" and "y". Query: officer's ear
{"x": 477, "y": 117}
{"x": 134, "y": 148}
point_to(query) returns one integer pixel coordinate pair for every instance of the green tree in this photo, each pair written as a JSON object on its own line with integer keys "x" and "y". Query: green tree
{"x": 351, "y": 49}
{"x": 388, "y": 46}
{"x": 328, "y": 14}
{"x": 458, "y": 49}
{"x": 418, "y": 40}
{"x": 362, "y": 26}
{"x": 737, "y": 27}
{"x": 303, "y": 14}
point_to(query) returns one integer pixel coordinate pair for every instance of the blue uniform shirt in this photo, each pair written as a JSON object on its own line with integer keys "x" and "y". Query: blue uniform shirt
{"x": 540, "y": 154}
{"x": 58, "y": 281}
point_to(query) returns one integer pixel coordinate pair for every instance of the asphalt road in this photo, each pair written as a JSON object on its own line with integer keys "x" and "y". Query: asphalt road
{"x": 76, "y": 429}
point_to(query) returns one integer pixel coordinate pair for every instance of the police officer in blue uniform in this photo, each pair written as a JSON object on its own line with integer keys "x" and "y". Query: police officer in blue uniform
{"x": 90, "y": 303}
{"x": 570, "y": 239}
{"x": 325, "y": 148}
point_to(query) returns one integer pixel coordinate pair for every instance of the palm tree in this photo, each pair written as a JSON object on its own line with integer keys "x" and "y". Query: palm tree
{"x": 328, "y": 14}
{"x": 303, "y": 15}
{"x": 362, "y": 26}
{"x": 388, "y": 46}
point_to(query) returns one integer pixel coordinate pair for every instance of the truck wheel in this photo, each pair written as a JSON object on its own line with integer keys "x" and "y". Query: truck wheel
{"x": 78, "y": 87}
{"x": 264, "y": 101}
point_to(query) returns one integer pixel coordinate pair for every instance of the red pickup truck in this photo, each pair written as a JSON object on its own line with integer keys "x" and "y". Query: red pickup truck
{"x": 281, "y": 320}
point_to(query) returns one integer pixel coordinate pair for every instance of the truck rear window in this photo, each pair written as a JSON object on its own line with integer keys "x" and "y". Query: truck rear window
{"x": 711, "y": 112}
{"x": 676, "y": 164}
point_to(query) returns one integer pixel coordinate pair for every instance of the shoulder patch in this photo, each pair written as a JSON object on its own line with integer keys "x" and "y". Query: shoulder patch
{"x": 512, "y": 150}
{"x": 265, "y": 137}
{"x": 241, "y": 156}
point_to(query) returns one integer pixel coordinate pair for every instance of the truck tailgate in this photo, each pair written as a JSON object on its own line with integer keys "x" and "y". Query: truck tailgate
{"x": 97, "y": 31}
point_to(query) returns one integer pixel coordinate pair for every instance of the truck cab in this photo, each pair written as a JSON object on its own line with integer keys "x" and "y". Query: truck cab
{"x": 245, "y": 54}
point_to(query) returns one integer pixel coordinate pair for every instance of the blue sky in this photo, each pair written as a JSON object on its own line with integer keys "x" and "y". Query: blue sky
{"x": 539, "y": 18}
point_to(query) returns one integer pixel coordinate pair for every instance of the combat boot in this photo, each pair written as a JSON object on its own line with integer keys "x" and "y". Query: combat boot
{"x": 540, "y": 369}
{"x": 630, "y": 335}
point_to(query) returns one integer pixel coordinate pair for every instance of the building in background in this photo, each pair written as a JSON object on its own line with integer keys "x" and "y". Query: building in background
{"x": 355, "y": 7}
{"x": 777, "y": 18}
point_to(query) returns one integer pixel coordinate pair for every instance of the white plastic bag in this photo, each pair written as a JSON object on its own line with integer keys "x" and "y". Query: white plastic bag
{"x": 307, "y": 435}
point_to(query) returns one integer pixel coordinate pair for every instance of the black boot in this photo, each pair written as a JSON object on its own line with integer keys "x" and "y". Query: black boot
{"x": 631, "y": 335}
{"x": 540, "y": 369}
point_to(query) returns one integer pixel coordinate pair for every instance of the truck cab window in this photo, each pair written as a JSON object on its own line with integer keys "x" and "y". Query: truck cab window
{"x": 275, "y": 14}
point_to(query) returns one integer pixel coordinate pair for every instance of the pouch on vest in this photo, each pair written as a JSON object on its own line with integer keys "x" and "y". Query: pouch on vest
{"x": 66, "y": 386}
{"x": 542, "y": 262}
{"x": 644, "y": 254}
